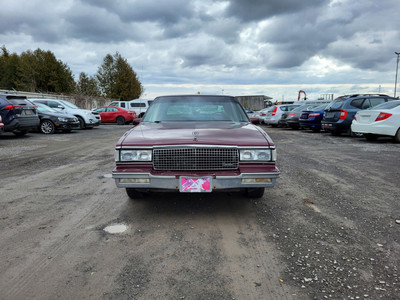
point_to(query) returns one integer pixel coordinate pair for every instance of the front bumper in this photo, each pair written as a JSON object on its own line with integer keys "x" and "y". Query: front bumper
{"x": 219, "y": 182}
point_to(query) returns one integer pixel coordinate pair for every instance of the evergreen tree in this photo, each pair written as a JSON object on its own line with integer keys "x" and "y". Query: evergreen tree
{"x": 87, "y": 86}
{"x": 117, "y": 79}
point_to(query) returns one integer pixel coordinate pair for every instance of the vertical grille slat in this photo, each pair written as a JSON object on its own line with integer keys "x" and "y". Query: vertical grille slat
{"x": 195, "y": 159}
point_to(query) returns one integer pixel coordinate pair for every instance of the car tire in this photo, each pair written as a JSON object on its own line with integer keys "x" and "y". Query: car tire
{"x": 397, "y": 136}
{"x": 370, "y": 137}
{"x": 255, "y": 192}
{"x": 47, "y": 127}
{"x": 135, "y": 194}
{"x": 121, "y": 120}
{"x": 274, "y": 125}
{"x": 82, "y": 124}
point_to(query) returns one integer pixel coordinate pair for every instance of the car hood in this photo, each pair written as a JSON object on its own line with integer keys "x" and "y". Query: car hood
{"x": 56, "y": 114}
{"x": 193, "y": 133}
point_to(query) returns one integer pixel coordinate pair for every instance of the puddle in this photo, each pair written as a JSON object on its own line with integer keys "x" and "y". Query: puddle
{"x": 117, "y": 228}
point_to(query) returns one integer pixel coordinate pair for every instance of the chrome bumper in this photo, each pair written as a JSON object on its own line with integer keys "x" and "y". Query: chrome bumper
{"x": 149, "y": 181}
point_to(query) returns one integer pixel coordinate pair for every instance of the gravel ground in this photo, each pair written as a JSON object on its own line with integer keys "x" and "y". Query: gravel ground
{"x": 330, "y": 228}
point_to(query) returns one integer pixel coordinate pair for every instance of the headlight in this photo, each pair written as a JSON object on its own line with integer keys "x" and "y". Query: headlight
{"x": 255, "y": 155}
{"x": 134, "y": 155}
{"x": 62, "y": 119}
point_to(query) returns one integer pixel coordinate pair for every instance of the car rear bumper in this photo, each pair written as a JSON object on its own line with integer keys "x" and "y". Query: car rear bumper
{"x": 22, "y": 124}
{"x": 380, "y": 129}
{"x": 150, "y": 181}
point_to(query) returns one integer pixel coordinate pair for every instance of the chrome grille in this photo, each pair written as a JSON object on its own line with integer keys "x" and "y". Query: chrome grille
{"x": 195, "y": 159}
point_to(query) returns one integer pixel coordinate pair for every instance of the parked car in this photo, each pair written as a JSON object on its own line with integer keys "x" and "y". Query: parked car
{"x": 249, "y": 112}
{"x": 260, "y": 113}
{"x": 1, "y": 125}
{"x": 114, "y": 114}
{"x": 140, "y": 106}
{"x": 312, "y": 119}
{"x": 381, "y": 120}
{"x": 18, "y": 114}
{"x": 340, "y": 112}
{"x": 52, "y": 120}
{"x": 263, "y": 114}
{"x": 195, "y": 144}
{"x": 87, "y": 118}
{"x": 274, "y": 115}
{"x": 291, "y": 119}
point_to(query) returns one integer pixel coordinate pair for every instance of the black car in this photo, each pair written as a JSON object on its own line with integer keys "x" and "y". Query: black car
{"x": 339, "y": 114}
{"x": 19, "y": 115}
{"x": 52, "y": 120}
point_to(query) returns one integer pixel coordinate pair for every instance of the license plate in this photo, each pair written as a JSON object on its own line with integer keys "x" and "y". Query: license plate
{"x": 28, "y": 112}
{"x": 195, "y": 184}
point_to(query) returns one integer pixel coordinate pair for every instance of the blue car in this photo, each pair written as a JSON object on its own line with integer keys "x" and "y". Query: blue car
{"x": 312, "y": 119}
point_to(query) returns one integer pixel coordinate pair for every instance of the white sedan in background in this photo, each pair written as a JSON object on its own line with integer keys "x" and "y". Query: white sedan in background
{"x": 381, "y": 120}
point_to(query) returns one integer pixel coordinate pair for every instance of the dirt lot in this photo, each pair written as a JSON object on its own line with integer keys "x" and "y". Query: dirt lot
{"x": 329, "y": 229}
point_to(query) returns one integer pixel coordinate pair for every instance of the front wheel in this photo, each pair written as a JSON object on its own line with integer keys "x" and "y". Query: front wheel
{"x": 255, "y": 192}
{"x": 81, "y": 122}
{"x": 47, "y": 127}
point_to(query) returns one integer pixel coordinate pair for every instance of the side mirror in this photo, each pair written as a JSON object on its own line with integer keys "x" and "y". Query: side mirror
{"x": 60, "y": 107}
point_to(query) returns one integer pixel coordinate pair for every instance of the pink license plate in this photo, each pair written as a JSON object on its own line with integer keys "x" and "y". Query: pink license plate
{"x": 195, "y": 184}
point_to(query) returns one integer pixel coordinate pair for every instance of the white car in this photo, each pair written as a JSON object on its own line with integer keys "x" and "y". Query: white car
{"x": 274, "y": 114}
{"x": 381, "y": 120}
{"x": 87, "y": 118}
{"x": 139, "y": 106}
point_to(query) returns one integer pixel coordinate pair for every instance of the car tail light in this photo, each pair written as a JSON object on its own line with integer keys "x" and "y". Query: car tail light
{"x": 11, "y": 107}
{"x": 274, "y": 111}
{"x": 291, "y": 115}
{"x": 313, "y": 115}
{"x": 343, "y": 114}
{"x": 263, "y": 114}
{"x": 383, "y": 116}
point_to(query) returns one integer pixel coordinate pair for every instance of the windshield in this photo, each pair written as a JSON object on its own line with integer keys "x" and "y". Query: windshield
{"x": 195, "y": 108}
{"x": 386, "y": 105}
{"x": 69, "y": 104}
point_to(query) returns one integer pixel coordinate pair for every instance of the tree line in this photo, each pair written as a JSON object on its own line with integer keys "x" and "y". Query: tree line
{"x": 40, "y": 71}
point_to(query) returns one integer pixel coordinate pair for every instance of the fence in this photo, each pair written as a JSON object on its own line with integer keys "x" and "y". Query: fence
{"x": 87, "y": 102}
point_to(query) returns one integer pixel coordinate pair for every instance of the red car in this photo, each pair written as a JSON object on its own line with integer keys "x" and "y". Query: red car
{"x": 114, "y": 114}
{"x": 195, "y": 144}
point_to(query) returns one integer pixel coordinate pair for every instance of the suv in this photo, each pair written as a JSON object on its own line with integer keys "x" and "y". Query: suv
{"x": 87, "y": 118}
{"x": 18, "y": 114}
{"x": 339, "y": 114}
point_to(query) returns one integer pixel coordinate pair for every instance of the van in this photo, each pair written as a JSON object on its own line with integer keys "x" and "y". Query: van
{"x": 139, "y": 106}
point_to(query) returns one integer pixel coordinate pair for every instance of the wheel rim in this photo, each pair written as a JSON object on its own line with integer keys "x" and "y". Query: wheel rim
{"x": 46, "y": 127}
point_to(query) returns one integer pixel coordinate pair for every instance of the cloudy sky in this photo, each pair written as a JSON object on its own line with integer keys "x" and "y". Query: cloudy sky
{"x": 235, "y": 47}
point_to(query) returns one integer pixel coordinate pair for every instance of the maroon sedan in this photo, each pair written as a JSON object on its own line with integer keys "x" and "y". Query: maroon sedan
{"x": 114, "y": 114}
{"x": 195, "y": 144}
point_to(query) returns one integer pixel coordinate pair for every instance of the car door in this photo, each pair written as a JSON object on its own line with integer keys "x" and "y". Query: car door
{"x": 112, "y": 114}
{"x": 103, "y": 114}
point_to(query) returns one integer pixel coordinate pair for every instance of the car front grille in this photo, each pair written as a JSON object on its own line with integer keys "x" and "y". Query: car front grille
{"x": 184, "y": 159}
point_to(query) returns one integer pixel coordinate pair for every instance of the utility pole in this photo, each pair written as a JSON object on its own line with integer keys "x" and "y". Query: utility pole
{"x": 397, "y": 69}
